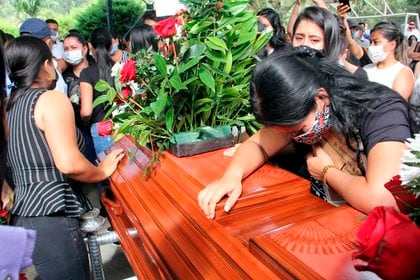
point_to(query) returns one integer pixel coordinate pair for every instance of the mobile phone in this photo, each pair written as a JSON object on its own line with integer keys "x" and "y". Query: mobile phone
{"x": 345, "y": 2}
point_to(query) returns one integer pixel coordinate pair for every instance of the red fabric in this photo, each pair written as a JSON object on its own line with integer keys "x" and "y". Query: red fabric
{"x": 389, "y": 244}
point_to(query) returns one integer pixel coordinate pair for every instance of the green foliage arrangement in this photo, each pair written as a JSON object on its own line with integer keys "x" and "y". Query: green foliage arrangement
{"x": 201, "y": 79}
{"x": 124, "y": 12}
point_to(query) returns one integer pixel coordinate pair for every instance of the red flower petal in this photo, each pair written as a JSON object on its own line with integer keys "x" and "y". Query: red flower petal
{"x": 166, "y": 28}
{"x": 389, "y": 243}
{"x": 128, "y": 71}
{"x": 126, "y": 92}
{"x": 105, "y": 128}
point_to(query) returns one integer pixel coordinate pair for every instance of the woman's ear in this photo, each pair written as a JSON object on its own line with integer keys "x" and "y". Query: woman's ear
{"x": 322, "y": 98}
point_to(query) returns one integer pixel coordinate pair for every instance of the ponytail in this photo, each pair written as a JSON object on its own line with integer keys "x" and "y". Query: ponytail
{"x": 101, "y": 40}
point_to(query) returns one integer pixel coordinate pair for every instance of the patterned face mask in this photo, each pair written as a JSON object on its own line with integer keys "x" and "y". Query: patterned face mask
{"x": 321, "y": 124}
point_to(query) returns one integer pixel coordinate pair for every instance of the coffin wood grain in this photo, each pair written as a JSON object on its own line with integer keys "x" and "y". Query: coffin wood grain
{"x": 176, "y": 241}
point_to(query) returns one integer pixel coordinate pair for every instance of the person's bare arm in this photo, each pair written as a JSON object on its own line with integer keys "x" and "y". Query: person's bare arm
{"x": 404, "y": 83}
{"x": 412, "y": 54}
{"x": 363, "y": 193}
{"x": 86, "y": 101}
{"x": 355, "y": 49}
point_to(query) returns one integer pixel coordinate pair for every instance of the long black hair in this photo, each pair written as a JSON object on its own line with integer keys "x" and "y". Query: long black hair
{"x": 25, "y": 57}
{"x": 284, "y": 86}
{"x": 101, "y": 41}
{"x": 277, "y": 41}
{"x": 328, "y": 23}
{"x": 2, "y": 118}
{"x": 143, "y": 37}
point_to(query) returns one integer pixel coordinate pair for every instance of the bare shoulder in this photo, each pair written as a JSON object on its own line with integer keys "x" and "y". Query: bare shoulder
{"x": 54, "y": 97}
{"x": 406, "y": 72}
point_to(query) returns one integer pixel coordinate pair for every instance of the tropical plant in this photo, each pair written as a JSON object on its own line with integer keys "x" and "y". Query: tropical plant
{"x": 201, "y": 78}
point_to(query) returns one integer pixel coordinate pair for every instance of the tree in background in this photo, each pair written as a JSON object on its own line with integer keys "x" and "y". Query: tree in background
{"x": 29, "y": 7}
{"x": 125, "y": 13}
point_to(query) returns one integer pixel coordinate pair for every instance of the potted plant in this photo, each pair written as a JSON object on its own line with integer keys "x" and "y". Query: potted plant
{"x": 199, "y": 79}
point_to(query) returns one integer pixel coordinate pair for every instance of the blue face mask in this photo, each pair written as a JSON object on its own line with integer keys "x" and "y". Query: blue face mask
{"x": 114, "y": 48}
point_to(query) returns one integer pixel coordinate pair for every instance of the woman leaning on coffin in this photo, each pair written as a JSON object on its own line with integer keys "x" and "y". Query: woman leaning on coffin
{"x": 299, "y": 96}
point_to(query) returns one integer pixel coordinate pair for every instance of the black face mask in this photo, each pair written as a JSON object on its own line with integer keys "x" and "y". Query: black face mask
{"x": 54, "y": 81}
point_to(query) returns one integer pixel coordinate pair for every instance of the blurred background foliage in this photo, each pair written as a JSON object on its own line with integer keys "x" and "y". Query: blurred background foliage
{"x": 88, "y": 14}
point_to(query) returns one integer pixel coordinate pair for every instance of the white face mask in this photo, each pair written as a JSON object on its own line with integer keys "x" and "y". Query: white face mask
{"x": 355, "y": 34}
{"x": 377, "y": 54}
{"x": 54, "y": 35}
{"x": 73, "y": 57}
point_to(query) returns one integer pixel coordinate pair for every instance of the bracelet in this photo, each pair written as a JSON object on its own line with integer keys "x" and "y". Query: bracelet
{"x": 324, "y": 172}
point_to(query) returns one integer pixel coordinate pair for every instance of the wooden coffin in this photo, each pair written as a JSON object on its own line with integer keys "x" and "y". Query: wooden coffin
{"x": 277, "y": 230}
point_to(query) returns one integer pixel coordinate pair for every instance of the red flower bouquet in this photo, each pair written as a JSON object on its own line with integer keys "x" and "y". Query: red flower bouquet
{"x": 389, "y": 245}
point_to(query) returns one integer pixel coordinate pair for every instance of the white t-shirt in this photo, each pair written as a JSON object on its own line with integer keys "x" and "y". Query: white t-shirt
{"x": 384, "y": 76}
{"x": 408, "y": 32}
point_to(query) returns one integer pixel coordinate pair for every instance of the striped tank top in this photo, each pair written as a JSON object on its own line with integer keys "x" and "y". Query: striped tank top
{"x": 40, "y": 188}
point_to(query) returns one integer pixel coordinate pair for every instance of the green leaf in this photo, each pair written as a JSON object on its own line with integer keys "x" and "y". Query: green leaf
{"x": 176, "y": 81}
{"x": 110, "y": 94}
{"x": 228, "y": 62}
{"x": 246, "y": 38}
{"x": 159, "y": 104}
{"x": 216, "y": 44}
{"x": 202, "y": 101}
{"x": 196, "y": 50}
{"x": 145, "y": 137}
{"x": 169, "y": 120}
{"x": 200, "y": 26}
{"x": 190, "y": 80}
{"x": 101, "y": 86}
{"x": 207, "y": 78}
{"x": 99, "y": 100}
{"x": 232, "y": 91}
{"x": 237, "y": 7}
{"x": 160, "y": 64}
{"x": 215, "y": 55}
{"x": 189, "y": 64}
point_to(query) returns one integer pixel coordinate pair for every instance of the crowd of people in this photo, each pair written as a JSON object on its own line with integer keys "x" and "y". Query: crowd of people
{"x": 321, "y": 73}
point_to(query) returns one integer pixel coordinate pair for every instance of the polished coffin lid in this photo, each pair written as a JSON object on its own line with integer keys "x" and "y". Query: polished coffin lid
{"x": 176, "y": 241}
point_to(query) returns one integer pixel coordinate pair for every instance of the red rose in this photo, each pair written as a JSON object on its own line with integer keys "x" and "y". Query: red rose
{"x": 389, "y": 244}
{"x": 219, "y": 5}
{"x": 105, "y": 128}
{"x": 166, "y": 28}
{"x": 406, "y": 200}
{"x": 128, "y": 71}
{"x": 126, "y": 92}
{"x": 4, "y": 216}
